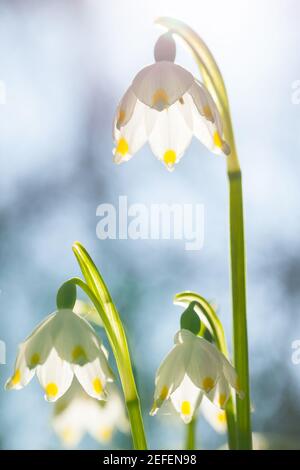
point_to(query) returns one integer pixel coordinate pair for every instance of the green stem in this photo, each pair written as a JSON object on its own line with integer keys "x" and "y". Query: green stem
{"x": 231, "y": 425}
{"x": 137, "y": 427}
{"x": 191, "y": 435}
{"x": 238, "y": 286}
{"x": 214, "y": 82}
{"x": 96, "y": 289}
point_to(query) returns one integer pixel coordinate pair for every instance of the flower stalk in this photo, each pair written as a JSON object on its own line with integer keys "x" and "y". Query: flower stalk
{"x": 191, "y": 435}
{"x": 98, "y": 293}
{"x": 214, "y": 82}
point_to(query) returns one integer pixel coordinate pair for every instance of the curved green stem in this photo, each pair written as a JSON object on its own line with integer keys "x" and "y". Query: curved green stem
{"x": 212, "y": 321}
{"x": 212, "y": 78}
{"x": 214, "y": 82}
{"x": 97, "y": 291}
{"x": 88, "y": 291}
{"x": 210, "y": 317}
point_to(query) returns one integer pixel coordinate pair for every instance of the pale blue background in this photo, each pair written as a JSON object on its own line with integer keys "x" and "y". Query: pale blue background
{"x": 66, "y": 64}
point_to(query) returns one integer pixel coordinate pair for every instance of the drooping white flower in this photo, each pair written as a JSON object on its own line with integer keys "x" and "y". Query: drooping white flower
{"x": 76, "y": 413}
{"x": 165, "y": 105}
{"x": 62, "y": 345}
{"x": 192, "y": 368}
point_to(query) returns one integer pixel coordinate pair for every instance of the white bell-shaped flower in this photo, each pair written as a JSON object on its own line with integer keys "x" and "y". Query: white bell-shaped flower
{"x": 166, "y": 106}
{"x": 76, "y": 413}
{"x": 62, "y": 345}
{"x": 192, "y": 368}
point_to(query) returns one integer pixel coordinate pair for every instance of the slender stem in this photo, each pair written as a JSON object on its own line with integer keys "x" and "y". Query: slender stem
{"x": 133, "y": 405}
{"x": 214, "y": 82}
{"x": 231, "y": 425}
{"x": 88, "y": 291}
{"x": 96, "y": 289}
{"x": 136, "y": 421}
{"x": 191, "y": 434}
{"x": 238, "y": 286}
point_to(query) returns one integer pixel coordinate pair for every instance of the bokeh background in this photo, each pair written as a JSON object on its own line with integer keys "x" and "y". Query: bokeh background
{"x": 65, "y": 65}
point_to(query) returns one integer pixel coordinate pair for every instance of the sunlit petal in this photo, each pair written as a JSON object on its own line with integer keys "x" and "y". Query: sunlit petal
{"x": 55, "y": 376}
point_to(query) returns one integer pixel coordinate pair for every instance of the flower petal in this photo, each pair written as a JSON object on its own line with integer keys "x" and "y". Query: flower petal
{"x": 171, "y": 134}
{"x": 184, "y": 336}
{"x": 186, "y": 399}
{"x": 55, "y": 376}
{"x": 213, "y": 415}
{"x": 201, "y": 359}
{"x": 132, "y": 136}
{"x": 201, "y": 366}
{"x": 31, "y": 352}
{"x": 125, "y": 109}
{"x": 205, "y": 104}
{"x": 74, "y": 338}
{"x": 231, "y": 376}
{"x": 207, "y": 123}
{"x": 220, "y": 395}
{"x": 161, "y": 84}
{"x": 168, "y": 377}
{"x": 93, "y": 379}
{"x": 40, "y": 344}
{"x": 22, "y": 374}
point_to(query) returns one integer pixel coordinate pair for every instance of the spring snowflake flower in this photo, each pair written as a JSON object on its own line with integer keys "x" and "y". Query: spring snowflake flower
{"x": 192, "y": 368}
{"x": 62, "y": 345}
{"x": 166, "y": 105}
{"x": 76, "y": 413}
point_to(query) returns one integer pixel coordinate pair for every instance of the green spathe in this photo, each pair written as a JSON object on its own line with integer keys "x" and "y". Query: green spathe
{"x": 190, "y": 319}
{"x": 66, "y": 296}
